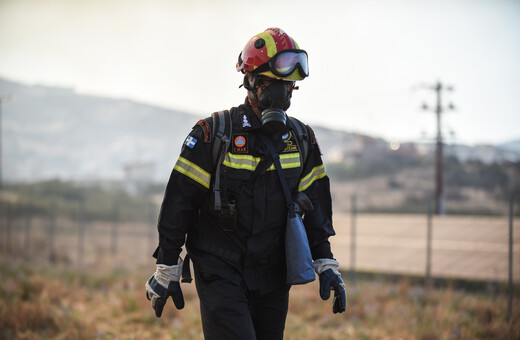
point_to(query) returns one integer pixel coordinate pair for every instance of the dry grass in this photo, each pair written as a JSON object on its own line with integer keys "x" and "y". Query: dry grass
{"x": 58, "y": 302}
{"x": 90, "y": 299}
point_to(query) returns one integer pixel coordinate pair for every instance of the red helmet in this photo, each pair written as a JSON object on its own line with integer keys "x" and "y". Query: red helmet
{"x": 274, "y": 54}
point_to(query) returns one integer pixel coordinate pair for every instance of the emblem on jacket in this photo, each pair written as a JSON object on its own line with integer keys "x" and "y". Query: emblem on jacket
{"x": 245, "y": 122}
{"x": 240, "y": 143}
{"x": 290, "y": 145}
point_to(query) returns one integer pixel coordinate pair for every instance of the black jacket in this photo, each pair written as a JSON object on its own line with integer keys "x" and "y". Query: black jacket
{"x": 249, "y": 245}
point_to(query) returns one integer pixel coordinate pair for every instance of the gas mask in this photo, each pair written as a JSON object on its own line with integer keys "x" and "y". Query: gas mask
{"x": 274, "y": 100}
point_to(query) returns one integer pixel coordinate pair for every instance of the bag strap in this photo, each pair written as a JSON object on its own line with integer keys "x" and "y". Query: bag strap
{"x": 220, "y": 147}
{"x": 281, "y": 176}
{"x": 186, "y": 272}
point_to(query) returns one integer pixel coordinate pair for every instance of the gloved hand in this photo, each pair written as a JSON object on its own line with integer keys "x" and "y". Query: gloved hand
{"x": 303, "y": 203}
{"x": 330, "y": 279}
{"x": 163, "y": 284}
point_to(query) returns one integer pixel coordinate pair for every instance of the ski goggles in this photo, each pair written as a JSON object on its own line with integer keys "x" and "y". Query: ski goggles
{"x": 285, "y": 62}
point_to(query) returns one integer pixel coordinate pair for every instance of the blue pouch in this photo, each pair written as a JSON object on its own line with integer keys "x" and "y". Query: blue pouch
{"x": 297, "y": 251}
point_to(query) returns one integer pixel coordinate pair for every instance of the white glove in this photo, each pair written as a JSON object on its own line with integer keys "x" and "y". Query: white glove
{"x": 163, "y": 284}
{"x": 321, "y": 265}
{"x": 330, "y": 279}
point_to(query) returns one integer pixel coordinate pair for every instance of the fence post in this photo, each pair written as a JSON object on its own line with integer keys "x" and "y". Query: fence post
{"x": 3, "y": 220}
{"x": 52, "y": 233}
{"x": 510, "y": 281}
{"x": 115, "y": 227}
{"x": 81, "y": 234}
{"x": 8, "y": 225}
{"x": 27, "y": 233}
{"x": 429, "y": 246}
{"x": 353, "y": 216}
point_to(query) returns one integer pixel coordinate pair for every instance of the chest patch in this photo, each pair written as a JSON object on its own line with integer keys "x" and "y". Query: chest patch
{"x": 290, "y": 143}
{"x": 240, "y": 143}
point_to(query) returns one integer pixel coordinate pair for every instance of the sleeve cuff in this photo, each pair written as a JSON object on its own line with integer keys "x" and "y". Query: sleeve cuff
{"x": 168, "y": 257}
{"x": 322, "y": 251}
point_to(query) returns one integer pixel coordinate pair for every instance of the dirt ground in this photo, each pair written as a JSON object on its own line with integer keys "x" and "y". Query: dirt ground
{"x": 469, "y": 247}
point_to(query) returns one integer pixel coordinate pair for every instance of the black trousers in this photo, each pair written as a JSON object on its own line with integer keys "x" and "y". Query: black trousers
{"x": 230, "y": 311}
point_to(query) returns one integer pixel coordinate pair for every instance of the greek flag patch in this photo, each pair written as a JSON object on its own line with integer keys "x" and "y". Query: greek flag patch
{"x": 190, "y": 142}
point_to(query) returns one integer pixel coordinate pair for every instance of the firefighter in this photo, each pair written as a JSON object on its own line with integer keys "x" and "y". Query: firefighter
{"x": 231, "y": 213}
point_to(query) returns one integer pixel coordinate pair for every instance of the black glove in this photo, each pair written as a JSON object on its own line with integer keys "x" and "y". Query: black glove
{"x": 163, "y": 284}
{"x": 330, "y": 280}
{"x": 303, "y": 203}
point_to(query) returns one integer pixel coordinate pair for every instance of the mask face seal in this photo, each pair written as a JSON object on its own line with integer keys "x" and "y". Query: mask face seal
{"x": 273, "y": 102}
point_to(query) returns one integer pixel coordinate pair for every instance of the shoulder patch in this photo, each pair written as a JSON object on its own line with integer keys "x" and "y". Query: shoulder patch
{"x": 205, "y": 128}
{"x": 190, "y": 142}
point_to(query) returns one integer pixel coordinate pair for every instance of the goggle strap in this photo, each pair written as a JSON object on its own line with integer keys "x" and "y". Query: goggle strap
{"x": 266, "y": 67}
{"x": 262, "y": 68}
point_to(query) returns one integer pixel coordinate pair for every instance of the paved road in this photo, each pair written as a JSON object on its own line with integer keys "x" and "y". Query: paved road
{"x": 470, "y": 247}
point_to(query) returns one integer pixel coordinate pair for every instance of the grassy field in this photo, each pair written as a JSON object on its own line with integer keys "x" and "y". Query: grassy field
{"x": 102, "y": 296}
{"x": 58, "y": 302}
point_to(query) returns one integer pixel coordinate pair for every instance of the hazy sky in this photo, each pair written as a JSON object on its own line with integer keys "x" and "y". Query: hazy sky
{"x": 366, "y": 57}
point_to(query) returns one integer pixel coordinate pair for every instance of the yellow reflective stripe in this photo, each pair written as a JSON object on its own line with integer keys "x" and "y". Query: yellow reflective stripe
{"x": 316, "y": 173}
{"x": 246, "y": 162}
{"x": 270, "y": 44}
{"x": 288, "y": 161}
{"x": 193, "y": 171}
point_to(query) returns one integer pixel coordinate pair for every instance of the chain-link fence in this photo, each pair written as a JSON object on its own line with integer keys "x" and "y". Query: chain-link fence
{"x": 77, "y": 240}
{"x": 460, "y": 246}
{"x": 483, "y": 248}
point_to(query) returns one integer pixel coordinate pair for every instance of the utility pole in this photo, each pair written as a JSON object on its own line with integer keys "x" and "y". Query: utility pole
{"x": 440, "y": 207}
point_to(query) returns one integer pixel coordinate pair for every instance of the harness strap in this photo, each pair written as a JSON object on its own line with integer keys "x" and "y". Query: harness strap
{"x": 276, "y": 159}
{"x": 220, "y": 147}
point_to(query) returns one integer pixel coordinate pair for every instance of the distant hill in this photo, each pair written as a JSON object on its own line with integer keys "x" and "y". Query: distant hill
{"x": 51, "y": 132}
{"x": 512, "y": 145}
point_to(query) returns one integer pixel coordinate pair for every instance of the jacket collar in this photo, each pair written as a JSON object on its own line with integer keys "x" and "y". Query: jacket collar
{"x": 248, "y": 119}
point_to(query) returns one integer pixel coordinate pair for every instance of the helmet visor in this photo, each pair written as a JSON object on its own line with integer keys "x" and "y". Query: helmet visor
{"x": 284, "y": 63}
